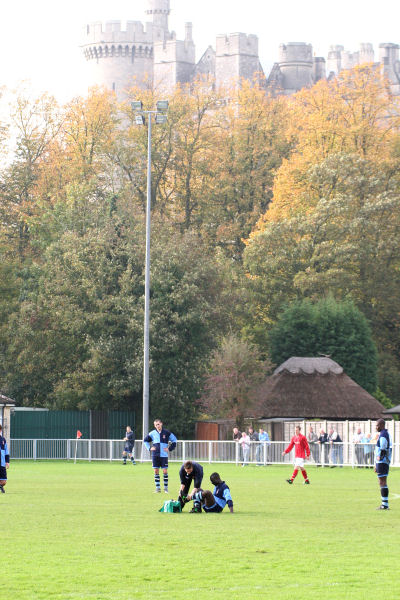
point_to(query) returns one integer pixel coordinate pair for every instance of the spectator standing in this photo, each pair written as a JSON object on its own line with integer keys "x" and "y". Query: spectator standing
{"x": 236, "y": 435}
{"x": 336, "y": 446}
{"x": 359, "y": 451}
{"x": 368, "y": 450}
{"x": 4, "y": 461}
{"x": 265, "y": 442}
{"x": 324, "y": 446}
{"x": 245, "y": 444}
{"x": 253, "y": 435}
{"x": 312, "y": 440}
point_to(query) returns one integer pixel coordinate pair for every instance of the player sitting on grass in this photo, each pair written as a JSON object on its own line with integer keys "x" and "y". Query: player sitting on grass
{"x": 212, "y": 501}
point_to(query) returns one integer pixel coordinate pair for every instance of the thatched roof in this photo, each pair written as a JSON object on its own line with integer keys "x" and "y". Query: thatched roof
{"x": 4, "y": 401}
{"x": 315, "y": 388}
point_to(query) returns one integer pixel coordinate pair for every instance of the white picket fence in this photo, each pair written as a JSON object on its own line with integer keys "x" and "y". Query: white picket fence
{"x": 259, "y": 454}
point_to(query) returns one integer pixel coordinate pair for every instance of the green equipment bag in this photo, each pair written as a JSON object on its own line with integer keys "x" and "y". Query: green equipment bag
{"x": 171, "y": 506}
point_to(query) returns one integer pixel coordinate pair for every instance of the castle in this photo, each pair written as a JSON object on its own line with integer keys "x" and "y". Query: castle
{"x": 151, "y": 56}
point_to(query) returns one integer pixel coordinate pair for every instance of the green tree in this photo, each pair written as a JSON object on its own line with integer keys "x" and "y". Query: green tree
{"x": 336, "y": 329}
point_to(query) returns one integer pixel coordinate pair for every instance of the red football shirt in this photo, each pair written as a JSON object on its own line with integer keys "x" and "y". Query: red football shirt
{"x": 301, "y": 447}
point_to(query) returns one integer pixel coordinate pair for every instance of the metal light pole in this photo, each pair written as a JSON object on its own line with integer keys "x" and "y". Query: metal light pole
{"x": 160, "y": 118}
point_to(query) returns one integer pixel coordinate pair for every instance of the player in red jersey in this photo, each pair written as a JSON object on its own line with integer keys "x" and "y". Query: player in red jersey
{"x": 301, "y": 453}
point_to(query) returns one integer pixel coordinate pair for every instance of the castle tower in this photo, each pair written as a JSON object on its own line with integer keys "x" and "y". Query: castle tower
{"x": 296, "y": 66}
{"x": 174, "y": 61}
{"x": 118, "y": 58}
{"x": 236, "y": 58}
{"x": 366, "y": 54}
{"x": 159, "y": 11}
{"x": 334, "y": 63}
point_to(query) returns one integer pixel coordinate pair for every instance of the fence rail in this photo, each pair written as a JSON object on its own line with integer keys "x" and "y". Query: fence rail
{"x": 259, "y": 453}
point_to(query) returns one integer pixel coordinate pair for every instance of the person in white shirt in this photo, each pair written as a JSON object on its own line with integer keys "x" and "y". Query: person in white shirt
{"x": 359, "y": 450}
{"x": 245, "y": 444}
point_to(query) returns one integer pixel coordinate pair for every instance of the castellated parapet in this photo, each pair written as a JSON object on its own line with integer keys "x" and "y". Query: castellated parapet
{"x": 117, "y": 57}
{"x": 174, "y": 61}
{"x": 236, "y": 58}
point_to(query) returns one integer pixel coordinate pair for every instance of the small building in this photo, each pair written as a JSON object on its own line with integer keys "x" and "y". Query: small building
{"x": 6, "y": 404}
{"x": 314, "y": 388}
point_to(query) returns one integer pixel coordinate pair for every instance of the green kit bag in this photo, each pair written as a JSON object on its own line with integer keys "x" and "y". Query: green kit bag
{"x": 171, "y": 506}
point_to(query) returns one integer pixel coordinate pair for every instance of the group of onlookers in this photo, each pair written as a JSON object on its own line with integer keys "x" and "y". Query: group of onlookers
{"x": 364, "y": 445}
{"x": 326, "y": 448}
{"x": 244, "y": 440}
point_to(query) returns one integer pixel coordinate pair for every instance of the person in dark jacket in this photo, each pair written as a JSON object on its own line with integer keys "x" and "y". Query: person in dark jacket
{"x": 4, "y": 461}
{"x": 324, "y": 445}
{"x": 129, "y": 448}
{"x": 189, "y": 471}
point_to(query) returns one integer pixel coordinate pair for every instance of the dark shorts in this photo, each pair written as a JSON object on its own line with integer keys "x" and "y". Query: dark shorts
{"x": 382, "y": 469}
{"x": 216, "y": 508}
{"x": 3, "y": 474}
{"x": 128, "y": 448}
{"x": 160, "y": 462}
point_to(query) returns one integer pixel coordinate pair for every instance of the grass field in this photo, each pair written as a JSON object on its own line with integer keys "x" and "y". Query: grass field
{"x": 93, "y": 530}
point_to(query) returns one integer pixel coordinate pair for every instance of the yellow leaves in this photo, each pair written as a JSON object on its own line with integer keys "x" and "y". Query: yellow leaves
{"x": 353, "y": 113}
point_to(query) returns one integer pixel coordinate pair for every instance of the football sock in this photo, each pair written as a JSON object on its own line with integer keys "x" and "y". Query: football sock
{"x": 304, "y": 473}
{"x": 165, "y": 481}
{"x": 132, "y": 459}
{"x": 197, "y": 500}
{"x": 294, "y": 474}
{"x": 385, "y": 496}
{"x": 157, "y": 481}
{"x": 124, "y": 459}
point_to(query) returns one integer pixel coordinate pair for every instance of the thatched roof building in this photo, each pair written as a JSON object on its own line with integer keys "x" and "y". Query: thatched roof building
{"x": 315, "y": 388}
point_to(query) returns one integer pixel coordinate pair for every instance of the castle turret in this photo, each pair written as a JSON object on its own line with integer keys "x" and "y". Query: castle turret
{"x": 296, "y": 66}
{"x": 159, "y": 11}
{"x": 366, "y": 54}
{"x": 334, "y": 63}
{"x": 174, "y": 60}
{"x": 236, "y": 58}
{"x": 118, "y": 58}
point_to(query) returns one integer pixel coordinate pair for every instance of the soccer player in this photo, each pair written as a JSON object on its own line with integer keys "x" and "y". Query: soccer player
{"x": 129, "y": 448}
{"x": 189, "y": 471}
{"x": 383, "y": 455}
{"x": 4, "y": 461}
{"x": 212, "y": 501}
{"x": 160, "y": 442}
{"x": 301, "y": 452}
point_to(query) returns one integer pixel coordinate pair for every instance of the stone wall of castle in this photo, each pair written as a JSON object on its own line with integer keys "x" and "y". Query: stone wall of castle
{"x": 141, "y": 55}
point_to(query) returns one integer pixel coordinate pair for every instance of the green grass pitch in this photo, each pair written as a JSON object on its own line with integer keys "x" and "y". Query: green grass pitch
{"x": 93, "y": 531}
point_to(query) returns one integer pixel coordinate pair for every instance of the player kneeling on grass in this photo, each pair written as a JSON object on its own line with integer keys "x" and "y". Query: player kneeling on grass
{"x": 189, "y": 471}
{"x": 301, "y": 453}
{"x": 212, "y": 501}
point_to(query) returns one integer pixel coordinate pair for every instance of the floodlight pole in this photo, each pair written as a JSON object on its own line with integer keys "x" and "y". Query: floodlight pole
{"x": 160, "y": 117}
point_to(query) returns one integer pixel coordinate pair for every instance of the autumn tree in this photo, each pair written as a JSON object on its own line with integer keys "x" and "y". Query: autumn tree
{"x": 235, "y": 371}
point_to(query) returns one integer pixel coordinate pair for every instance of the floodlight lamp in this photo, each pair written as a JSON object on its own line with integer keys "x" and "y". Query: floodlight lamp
{"x": 137, "y": 105}
{"x": 161, "y": 119}
{"x": 139, "y": 120}
{"x": 162, "y": 105}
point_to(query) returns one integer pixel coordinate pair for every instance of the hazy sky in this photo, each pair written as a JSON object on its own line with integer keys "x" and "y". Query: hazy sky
{"x": 39, "y": 38}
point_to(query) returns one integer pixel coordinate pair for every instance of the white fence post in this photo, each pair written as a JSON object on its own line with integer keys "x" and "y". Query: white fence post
{"x": 209, "y": 452}
{"x": 183, "y": 451}
{"x": 90, "y": 450}
{"x": 34, "y": 449}
{"x": 111, "y": 450}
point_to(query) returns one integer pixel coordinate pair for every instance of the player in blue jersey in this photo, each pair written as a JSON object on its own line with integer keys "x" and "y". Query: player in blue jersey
{"x": 160, "y": 442}
{"x": 129, "y": 448}
{"x": 383, "y": 455}
{"x": 213, "y": 501}
{"x": 4, "y": 461}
